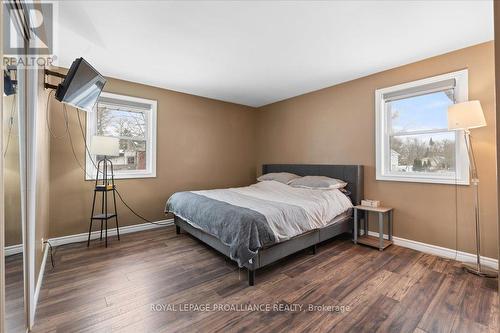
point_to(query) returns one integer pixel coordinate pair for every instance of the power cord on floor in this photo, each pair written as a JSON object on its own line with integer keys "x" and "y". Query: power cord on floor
{"x": 51, "y": 253}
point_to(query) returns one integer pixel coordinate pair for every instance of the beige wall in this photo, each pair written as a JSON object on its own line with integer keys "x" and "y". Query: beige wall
{"x": 12, "y": 186}
{"x": 201, "y": 143}
{"x": 43, "y": 185}
{"x": 336, "y": 126}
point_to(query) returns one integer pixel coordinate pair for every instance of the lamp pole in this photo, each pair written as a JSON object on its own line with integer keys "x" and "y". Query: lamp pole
{"x": 476, "y": 269}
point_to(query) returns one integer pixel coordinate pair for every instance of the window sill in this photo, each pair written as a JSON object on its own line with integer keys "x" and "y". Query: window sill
{"x": 126, "y": 176}
{"x": 423, "y": 179}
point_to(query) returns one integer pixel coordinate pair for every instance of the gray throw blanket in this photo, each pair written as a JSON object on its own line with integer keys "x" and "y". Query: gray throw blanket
{"x": 242, "y": 229}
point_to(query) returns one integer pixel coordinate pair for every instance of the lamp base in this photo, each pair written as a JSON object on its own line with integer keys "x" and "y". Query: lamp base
{"x": 484, "y": 272}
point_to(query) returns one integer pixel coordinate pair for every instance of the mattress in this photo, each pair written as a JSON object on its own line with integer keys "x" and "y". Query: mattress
{"x": 249, "y": 218}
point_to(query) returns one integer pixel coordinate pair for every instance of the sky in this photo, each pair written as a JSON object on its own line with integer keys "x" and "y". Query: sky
{"x": 421, "y": 112}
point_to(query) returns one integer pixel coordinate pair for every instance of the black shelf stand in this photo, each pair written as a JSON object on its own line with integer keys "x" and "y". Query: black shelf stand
{"x": 106, "y": 186}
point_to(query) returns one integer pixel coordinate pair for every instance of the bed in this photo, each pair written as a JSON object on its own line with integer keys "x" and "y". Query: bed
{"x": 234, "y": 221}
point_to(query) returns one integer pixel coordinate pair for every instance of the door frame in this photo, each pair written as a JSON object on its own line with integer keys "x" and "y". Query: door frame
{"x": 26, "y": 113}
{"x": 2, "y": 216}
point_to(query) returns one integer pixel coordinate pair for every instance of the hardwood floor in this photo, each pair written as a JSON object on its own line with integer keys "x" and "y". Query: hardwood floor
{"x": 399, "y": 290}
{"x": 14, "y": 294}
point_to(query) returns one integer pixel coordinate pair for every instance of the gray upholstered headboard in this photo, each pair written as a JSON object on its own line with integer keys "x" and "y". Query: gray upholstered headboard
{"x": 352, "y": 174}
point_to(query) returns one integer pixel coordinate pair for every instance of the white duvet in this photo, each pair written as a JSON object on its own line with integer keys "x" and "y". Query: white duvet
{"x": 289, "y": 211}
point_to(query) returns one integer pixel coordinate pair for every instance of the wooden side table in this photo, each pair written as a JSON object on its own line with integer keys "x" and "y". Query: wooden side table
{"x": 378, "y": 242}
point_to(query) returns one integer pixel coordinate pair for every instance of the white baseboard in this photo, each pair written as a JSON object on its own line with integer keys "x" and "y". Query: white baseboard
{"x": 56, "y": 241}
{"x": 440, "y": 251}
{"x": 13, "y": 249}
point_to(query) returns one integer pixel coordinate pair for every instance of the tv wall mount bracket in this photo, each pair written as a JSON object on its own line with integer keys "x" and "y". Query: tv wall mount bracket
{"x": 48, "y": 73}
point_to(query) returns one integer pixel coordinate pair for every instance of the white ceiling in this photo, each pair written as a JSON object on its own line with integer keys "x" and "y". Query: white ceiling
{"x": 256, "y": 53}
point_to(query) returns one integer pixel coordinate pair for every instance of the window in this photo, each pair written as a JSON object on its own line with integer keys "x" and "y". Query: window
{"x": 413, "y": 143}
{"x": 133, "y": 121}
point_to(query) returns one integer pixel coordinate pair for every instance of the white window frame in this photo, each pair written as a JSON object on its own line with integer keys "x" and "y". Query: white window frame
{"x": 150, "y": 171}
{"x": 382, "y": 144}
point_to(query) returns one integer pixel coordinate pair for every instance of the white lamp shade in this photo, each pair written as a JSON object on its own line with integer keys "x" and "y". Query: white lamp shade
{"x": 465, "y": 115}
{"x": 104, "y": 145}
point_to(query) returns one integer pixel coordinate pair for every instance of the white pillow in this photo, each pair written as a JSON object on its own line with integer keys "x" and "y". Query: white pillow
{"x": 318, "y": 183}
{"x": 282, "y": 177}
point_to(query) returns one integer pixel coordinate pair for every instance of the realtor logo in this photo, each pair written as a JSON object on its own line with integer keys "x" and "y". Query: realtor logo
{"x": 36, "y": 21}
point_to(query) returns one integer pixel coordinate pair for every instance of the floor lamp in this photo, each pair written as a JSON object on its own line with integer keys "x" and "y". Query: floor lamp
{"x": 104, "y": 146}
{"x": 464, "y": 117}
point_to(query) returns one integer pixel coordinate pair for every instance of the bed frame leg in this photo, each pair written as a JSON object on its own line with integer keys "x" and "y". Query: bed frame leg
{"x": 314, "y": 249}
{"x": 177, "y": 230}
{"x": 251, "y": 277}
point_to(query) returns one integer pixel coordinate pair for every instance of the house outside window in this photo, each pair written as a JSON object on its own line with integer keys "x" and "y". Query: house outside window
{"x": 413, "y": 143}
{"x": 131, "y": 160}
{"x": 133, "y": 121}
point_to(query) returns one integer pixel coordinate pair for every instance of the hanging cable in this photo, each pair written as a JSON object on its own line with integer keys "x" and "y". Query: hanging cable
{"x": 93, "y": 162}
{"x": 11, "y": 124}
{"x": 456, "y": 202}
{"x": 95, "y": 165}
{"x": 84, "y": 136}
{"x": 135, "y": 213}
{"x": 71, "y": 143}
{"x": 66, "y": 130}
{"x": 73, "y": 150}
{"x": 456, "y": 211}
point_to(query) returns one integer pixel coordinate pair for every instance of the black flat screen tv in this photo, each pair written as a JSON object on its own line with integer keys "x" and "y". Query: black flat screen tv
{"x": 81, "y": 87}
